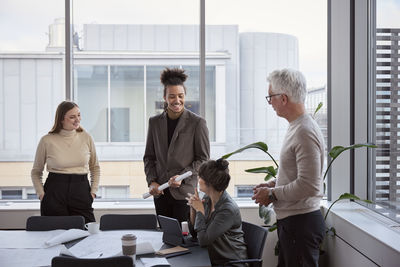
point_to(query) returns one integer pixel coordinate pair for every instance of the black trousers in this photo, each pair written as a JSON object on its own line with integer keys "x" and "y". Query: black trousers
{"x": 67, "y": 194}
{"x": 299, "y": 239}
{"x": 168, "y": 206}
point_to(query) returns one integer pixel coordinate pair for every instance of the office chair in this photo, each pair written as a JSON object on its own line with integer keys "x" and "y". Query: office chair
{"x": 255, "y": 237}
{"x": 47, "y": 223}
{"x": 128, "y": 221}
{"x": 119, "y": 261}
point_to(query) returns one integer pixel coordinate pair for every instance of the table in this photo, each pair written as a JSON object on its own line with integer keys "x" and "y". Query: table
{"x": 24, "y": 251}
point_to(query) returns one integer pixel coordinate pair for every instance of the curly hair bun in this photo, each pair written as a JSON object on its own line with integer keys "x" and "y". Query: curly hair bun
{"x": 173, "y": 76}
{"x": 222, "y": 164}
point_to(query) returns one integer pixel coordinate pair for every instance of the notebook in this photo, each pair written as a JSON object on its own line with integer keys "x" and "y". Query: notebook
{"x": 172, "y": 233}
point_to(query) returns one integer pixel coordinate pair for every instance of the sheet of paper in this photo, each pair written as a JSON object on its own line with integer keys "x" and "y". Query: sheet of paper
{"x": 66, "y": 236}
{"x": 148, "y": 262}
{"x": 19, "y": 257}
{"x": 26, "y": 239}
{"x": 108, "y": 243}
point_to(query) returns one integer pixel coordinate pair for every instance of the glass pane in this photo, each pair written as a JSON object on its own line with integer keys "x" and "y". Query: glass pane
{"x": 193, "y": 95}
{"x": 11, "y": 194}
{"x": 246, "y": 42}
{"x": 91, "y": 82}
{"x": 132, "y": 42}
{"x": 115, "y": 192}
{"x": 127, "y": 104}
{"x": 387, "y": 190}
{"x": 31, "y": 83}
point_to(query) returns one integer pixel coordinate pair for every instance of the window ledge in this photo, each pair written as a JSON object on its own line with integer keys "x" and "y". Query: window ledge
{"x": 108, "y": 204}
{"x": 374, "y": 235}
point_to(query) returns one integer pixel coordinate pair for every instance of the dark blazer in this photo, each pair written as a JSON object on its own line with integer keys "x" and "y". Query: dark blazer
{"x": 189, "y": 147}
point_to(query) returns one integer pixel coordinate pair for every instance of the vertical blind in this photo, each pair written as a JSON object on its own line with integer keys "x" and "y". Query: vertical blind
{"x": 387, "y": 115}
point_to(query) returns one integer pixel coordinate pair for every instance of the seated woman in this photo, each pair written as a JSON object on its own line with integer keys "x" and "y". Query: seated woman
{"x": 216, "y": 218}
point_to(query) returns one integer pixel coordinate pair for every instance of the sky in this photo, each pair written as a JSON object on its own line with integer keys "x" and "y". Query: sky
{"x": 25, "y": 23}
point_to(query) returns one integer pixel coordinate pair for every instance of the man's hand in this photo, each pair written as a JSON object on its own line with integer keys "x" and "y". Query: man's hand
{"x": 153, "y": 189}
{"x": 174, "y": 184}
{"x": 261, "y": 196}
{"x": 269, "y": 184}
{"x": 41, "y": 197}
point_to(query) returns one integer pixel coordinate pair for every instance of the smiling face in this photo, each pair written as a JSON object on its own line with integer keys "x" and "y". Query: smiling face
{"x": 175, "y": 98}
{"x": 72, "y": 119}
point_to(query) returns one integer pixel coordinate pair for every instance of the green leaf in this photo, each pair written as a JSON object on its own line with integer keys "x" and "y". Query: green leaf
{"x": 337, "y": 150}
{"x": 348, "y": 196}
{"x": 268, "y": 177}
{"x": 258, "y": 145}
{"x": 270, "y": 170}
{"x": 273, "y": 227}
{"x": 318, "y": 108}
{"x": 353, "y": 197}
{"x": 265, "y": 213}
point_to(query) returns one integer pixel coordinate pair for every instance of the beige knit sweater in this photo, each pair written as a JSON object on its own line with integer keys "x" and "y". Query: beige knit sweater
{"x": 68, "y": 152}
{"x": 299, "y": 183}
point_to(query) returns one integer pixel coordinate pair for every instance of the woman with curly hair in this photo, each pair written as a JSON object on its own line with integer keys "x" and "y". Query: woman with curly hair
{"x": 177, "y": 142}
{"x": 216, "y": 217}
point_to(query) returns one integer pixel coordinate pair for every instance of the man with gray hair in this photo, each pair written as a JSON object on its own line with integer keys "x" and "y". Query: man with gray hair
{"x": 297, "y": 190}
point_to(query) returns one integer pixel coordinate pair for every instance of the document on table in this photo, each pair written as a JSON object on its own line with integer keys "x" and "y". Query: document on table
{"x": 108, "y": 243}
{"x": 18, "y": 257}
{"x": 148, "y": 262}
{"x": 26, "y": 239}
{"x": 69, "y": 235}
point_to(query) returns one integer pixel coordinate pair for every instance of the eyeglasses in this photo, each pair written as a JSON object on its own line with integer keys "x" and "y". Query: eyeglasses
{"x": 268, "y": 97}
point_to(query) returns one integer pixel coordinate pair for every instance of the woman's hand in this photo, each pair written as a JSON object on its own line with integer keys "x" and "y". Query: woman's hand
{"x": 195, "y": 202}
{"x": 93, "y": 195}
{"x": 41, "y": 197}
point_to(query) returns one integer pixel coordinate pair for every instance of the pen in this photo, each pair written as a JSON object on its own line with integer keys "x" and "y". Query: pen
{"x": 101, "y": 254}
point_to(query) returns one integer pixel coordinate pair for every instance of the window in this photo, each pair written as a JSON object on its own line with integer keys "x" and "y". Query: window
{"x": 387, "y": 178}
{"x": 11, "y": 194}
{"x": 117, "y": 60}
{"x": 244, "y": 190}
{"x": 113, "y": 192}
{"x": 125, "y": 93}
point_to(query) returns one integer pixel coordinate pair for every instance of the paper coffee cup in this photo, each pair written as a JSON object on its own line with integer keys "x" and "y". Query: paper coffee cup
{"x": 129, "y": 245}
{"x": 185, "y": 228}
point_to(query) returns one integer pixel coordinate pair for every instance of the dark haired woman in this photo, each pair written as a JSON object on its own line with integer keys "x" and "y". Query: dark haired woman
{"x": 216, "y": 218}
{"x": 69, "y": 153}
{"x": 177, "y": 142}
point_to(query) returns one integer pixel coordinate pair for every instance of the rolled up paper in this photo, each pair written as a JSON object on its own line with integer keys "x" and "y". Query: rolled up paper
{"x": 166, "y": 185}
{"x": 66, "y": 236}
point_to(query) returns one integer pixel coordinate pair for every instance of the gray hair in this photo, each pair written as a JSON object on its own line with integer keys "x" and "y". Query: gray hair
{"x": 289, "y": 82}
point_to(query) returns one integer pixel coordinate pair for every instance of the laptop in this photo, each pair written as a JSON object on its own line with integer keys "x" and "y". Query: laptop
{"x": 172, "y": 233}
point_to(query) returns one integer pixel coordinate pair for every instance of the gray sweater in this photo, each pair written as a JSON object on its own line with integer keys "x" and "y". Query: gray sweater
{"x": 221, "y": 231}
{"x": 299, "y": 183}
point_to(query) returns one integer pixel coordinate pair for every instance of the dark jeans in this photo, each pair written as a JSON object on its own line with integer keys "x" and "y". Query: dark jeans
{"x": 168, "y": 206}
{"x": 299, "y": 239}
{"x": 67, "y": 194}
